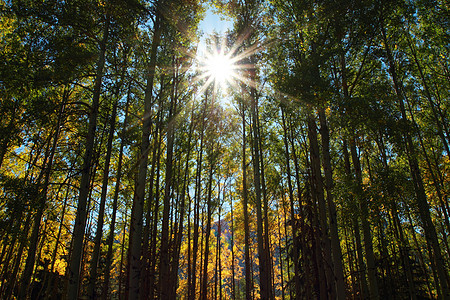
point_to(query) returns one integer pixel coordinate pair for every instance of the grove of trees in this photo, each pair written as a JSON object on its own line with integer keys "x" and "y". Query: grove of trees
{"x": 319, "y": 170}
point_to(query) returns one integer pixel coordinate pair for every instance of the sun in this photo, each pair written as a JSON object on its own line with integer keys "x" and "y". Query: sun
{"x": 223, "y": 67}
{"x": 220, "y": 68}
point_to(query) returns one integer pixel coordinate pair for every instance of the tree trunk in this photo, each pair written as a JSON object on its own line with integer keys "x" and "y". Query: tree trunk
{"x": 324, "y": 253}
{"x": 197, "y": 196}
{"x": 218, "y": 271}
{"x": 336, "y": 252}
{"x": 233, "y": 283}
{"x": 263, "y": 264}
{"x": 153, "y": 250}
{"x": 280, "y": 253}
{"x": 138, "y": 201}
{"x": 6, "y": 139}
{"x": 294, "y": 223}
{"x": 101, "y": 211}
{"x": 363, "y": 286}
{"x": 165, "y": 263}
{"x": 248, "y": 280}
{"x": 121, "y": 292}
{"x": 363, "y": 206}
{"x": 112, "y": 226}
{"x": 11, "y": 281}
{"x": 266, "y": 237}
{"x": 209, "y": 204}
{"x": 176, "y": 254}
{"x": 81, "y": 215}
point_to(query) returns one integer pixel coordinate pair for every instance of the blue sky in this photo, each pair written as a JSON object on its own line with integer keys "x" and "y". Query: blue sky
{"x": 213, "y": 22}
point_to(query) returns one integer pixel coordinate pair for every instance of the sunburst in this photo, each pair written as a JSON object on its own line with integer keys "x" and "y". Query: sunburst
{"x": 225, "y": 67}
{"x": 220, "y": 68}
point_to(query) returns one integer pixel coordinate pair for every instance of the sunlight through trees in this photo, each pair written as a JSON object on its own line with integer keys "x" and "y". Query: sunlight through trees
{"x": 302, "y": 153}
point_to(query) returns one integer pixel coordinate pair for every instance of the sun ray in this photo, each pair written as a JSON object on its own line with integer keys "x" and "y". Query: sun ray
{"x": 226, "y": 67}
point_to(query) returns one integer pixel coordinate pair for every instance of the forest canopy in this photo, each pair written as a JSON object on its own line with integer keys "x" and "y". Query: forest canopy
{"x": 301, "y": 154}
